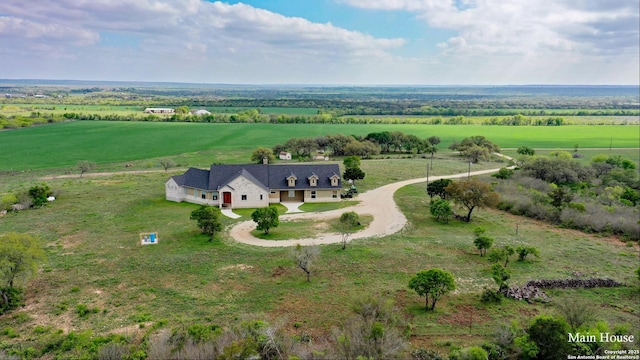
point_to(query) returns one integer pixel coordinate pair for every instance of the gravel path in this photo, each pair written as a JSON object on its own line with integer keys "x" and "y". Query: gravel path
{"x": 379, "y": 203}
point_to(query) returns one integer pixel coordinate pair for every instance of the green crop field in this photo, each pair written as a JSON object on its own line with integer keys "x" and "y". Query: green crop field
{"x": 61, "y": 145}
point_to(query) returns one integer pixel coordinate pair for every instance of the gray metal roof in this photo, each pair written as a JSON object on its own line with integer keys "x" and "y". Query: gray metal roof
{"x": 272, "y": 177}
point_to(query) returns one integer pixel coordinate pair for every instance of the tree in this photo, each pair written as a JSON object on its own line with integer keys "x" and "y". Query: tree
{"x": 208, "y": 218}
{"x": 475, "y": 148}
{"x": 550, "y": 336}
{"x": 560, "y": 195}
{"x": 304, "y": 256}
{"x": 351, "y": 162}
{"x": 19, "y": 258}
{"x": 301, "y": 146}
{"x": 266, "y": 218}
{"x": 182, "y": 110}
{"x": 260, "y": 154}
{"x": 471, "y": 194}
{"x": 362, "y": 148}
{"x": 434, "y": 140}
{"x": 338, "y": 142}
{"x": 501, "y": 254}
{"x": 39, "y": 194}
{"x": 438, "y": 188}
{"x": 85, "y": 166}
{"x": 441, "y": 209}
{"x": 353, "y": 174}
{"x": 482, "y": 243}
{"x": 476, "y": 153}
{"x": 500, "y": 275}
{"x": 383, "y": 139}
{"x": 525, "y": 150}
{"x": 434, "y": 282}
{"x": 524, "y": 251}
{"x": 348, "y": 223}
{"x": 166, "y": 163}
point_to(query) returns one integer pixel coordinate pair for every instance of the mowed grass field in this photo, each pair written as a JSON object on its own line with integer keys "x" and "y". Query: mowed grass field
{"x": 63, "y": 145}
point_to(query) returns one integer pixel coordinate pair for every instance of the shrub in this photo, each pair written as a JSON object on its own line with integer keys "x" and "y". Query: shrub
{"x": 503, "y": 173}
{"x": 13, "y": 296}
{"x": 524, "y": 251}
{"x": 39, "y": 194}
{"x": 491, "y": 296}
{"x": 422, "y": 354}
{"x": 84, "y": 311}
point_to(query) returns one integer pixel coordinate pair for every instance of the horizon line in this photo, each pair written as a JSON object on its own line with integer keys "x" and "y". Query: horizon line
{"x": 35, "y": 80}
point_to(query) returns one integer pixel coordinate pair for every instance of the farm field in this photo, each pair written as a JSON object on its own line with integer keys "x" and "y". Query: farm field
{"x": 63, "y": 145}
{"x": 59, "y": 109}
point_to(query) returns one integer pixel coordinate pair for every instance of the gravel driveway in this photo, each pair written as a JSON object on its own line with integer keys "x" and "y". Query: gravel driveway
{"x": 379, "y": 203}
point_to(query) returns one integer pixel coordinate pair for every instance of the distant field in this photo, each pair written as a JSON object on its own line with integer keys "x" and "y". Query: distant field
{"x": 27, "y": 109}
{"x": 64, "y": 144}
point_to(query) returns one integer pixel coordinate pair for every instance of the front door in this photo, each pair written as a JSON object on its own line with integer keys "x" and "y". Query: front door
{"x": 226, "y": 199}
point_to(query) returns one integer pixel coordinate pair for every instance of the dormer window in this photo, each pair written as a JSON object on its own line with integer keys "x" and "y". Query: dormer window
{"x": 313, "y": 180}
{"x": 291, "y": 180}
{"x": 334, "y": 180}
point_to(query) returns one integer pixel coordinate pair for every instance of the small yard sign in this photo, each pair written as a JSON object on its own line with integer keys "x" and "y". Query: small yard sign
{"x": 148, "y": 238}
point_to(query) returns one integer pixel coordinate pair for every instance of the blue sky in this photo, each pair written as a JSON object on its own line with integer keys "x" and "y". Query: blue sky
{"x": 360, "y": 42}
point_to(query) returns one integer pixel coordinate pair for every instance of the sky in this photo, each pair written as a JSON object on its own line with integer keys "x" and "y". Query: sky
{"x": 332, "y": 42}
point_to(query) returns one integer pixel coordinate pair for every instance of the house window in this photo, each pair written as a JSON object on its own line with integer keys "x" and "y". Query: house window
{"x": 215, "y": 196}
{"x": 244, "y": 197}
{"x": 195, "y": 193}
{"x": 291, "y": 180}
{"x": 292, "y": 193}
{"x": 260, "y": 196}
{"x": 334, "y": 194}
{"x": 313, "y": 194}
{"x": 204, "y": 195}
{"x": 334, "y": 181}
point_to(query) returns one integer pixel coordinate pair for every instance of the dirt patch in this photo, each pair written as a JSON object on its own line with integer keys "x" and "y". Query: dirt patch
{"x": 278, "y": 271}
{"x": 319, "y": 226}
{"x": 72, "y": 241}
{"x": 135, "y": 332}
{"x": 463, "y": 316}
{"x": 241, "y": 267}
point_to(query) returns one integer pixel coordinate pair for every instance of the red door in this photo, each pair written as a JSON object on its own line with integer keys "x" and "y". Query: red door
{"x": 226, "y": 197}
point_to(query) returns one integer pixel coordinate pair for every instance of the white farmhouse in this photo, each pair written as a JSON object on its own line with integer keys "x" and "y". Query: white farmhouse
{"x": 256, "y": 185}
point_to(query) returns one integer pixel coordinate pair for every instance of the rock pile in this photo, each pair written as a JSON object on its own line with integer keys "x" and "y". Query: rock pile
{"x": 532, "y": 290}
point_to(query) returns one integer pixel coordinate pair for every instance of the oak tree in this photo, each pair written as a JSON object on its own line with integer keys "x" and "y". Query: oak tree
{"x": 208, "y": 218}
{"x": 432, "y": 283}
{"x": 472, "y": 194}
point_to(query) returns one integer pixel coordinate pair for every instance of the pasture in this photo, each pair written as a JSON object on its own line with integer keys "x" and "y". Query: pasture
{"x": 63, "y": 145}
{"x": 93, "y": 259}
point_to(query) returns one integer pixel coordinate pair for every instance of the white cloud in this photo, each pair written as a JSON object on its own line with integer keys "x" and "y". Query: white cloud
{"x": 516, "y": 41}
{"x": 527, "y": 27}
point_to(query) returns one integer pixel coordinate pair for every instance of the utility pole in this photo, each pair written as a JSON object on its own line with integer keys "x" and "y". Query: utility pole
{"x": 469, "y": 174}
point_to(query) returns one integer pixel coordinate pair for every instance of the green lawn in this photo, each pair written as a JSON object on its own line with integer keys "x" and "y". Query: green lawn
{"x": 63, "y": 145}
